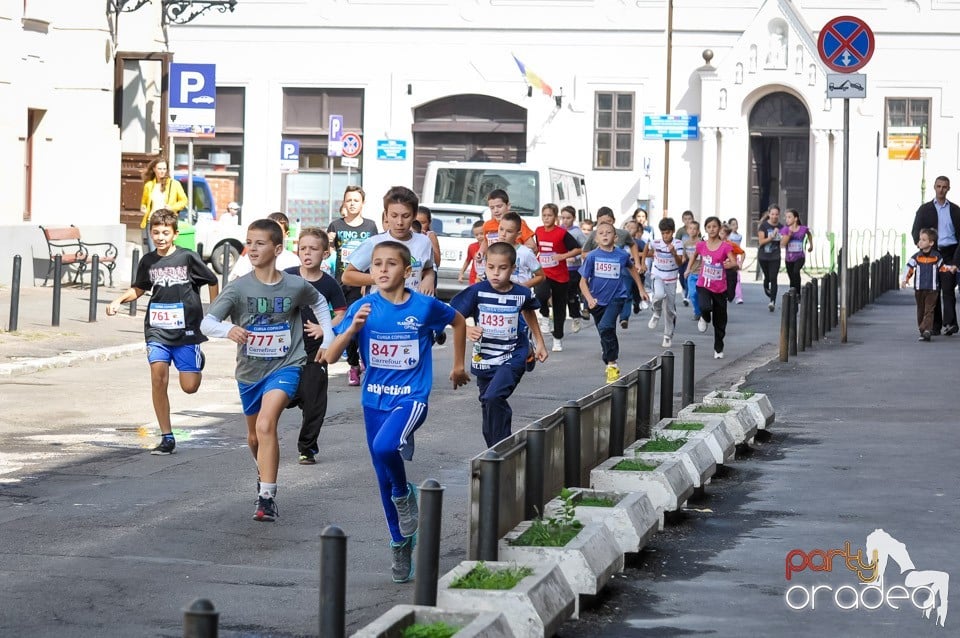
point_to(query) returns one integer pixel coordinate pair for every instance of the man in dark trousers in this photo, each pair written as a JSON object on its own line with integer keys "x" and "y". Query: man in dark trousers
{"x": 944, "y": 216}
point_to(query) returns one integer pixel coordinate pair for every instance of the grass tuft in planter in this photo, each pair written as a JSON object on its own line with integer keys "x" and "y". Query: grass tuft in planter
{"x": 433, "y": 630}
{"x": 594, "y": 501}
{"x": 552, "y": 532}
{"x": 482, "y": 577}
{"x": 662, "y": 444}
{"x": 685, "y": 426}
{"x": 634, "y": 465}
{"x": 720, "y": 408}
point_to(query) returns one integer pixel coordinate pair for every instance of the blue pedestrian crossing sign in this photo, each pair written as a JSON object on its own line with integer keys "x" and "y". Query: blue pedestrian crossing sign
{"x": 846, "y": 44}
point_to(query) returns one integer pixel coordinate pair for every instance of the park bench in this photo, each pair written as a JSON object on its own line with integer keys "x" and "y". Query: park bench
{"x": 77, "y": 255}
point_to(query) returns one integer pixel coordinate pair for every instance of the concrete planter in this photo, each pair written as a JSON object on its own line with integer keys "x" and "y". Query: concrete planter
{"x": 633, "y": 520}
{"x": 668, "y": 485}
{"x": 758, "y": 405}
{"x": 485, "y": 624}
{"x": 718, "y": 440}
{"x": 534, "y": 608}
{"x": 741, "y": 426}
{"x": 695, "y": 456}
{"x": 588, "y": 561}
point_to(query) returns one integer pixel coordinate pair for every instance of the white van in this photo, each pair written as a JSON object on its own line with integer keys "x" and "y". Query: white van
{"x": 456, "y": 193}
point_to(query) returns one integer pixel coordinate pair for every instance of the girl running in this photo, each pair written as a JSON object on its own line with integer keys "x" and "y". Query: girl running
{"x": 793, "y": 239}
{"x": 712, "y": 257}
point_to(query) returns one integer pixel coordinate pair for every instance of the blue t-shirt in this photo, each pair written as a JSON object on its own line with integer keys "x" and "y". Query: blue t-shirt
{"x": 498, "y": 314}
{"x": 395, "y": 346}
{"x": 606, "y": 274}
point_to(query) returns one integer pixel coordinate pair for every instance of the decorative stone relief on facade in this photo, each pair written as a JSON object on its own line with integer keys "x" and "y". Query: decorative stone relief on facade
{"x": 777, "y": 45}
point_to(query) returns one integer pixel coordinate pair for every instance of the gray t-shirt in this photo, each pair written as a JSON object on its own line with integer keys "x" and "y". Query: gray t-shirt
{"x": 624, "y": 240}
{"x": 271, "y": 313}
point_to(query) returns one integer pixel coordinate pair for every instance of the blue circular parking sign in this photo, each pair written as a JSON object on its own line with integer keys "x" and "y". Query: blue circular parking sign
{"x": 845, "y": 44}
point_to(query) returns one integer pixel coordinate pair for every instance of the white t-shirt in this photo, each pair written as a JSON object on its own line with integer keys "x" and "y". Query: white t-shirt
{"x": 527, "y": 265}
{"x": 421, "y": 255}
{"x": 285, "y": 260}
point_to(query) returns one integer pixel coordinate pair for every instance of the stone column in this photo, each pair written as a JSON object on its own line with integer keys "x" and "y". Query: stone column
{"x": 710, "y": 163}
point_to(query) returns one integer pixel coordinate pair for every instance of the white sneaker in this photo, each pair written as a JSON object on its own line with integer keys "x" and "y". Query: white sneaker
{"x": 557, "y": 345}
{"x": 545, "y": 324}
{"x": 667, "y": 342}
{"x": 718, "y": 355}
{"x": 654, "y": 320}
{"x": 701, "y": 325}
{"x": 575, "y": 326}
{"x": 644, "y": 305}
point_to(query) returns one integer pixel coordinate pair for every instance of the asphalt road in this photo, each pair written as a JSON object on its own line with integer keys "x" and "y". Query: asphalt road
{"x": 102, "y": 539}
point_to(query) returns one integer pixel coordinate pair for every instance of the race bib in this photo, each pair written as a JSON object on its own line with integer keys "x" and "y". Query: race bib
{"x": 270, "y": 341}
{"x": 547, "y": 260}
{"x": 169, "y": 316}
{"x": 402, "y": 354}
{"x": 795, "y": 246}
{"x": 493, "y": 237}
{"x": 607, "y": 269}
{"x": 499, "y": 322}
{"x": 664, "y": 262}
{"x": 413, "y": 281}
{"x": 345, "y": 252}
{"x": 712, "y": 271}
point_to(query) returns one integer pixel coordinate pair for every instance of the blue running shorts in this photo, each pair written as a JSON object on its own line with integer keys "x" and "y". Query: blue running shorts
{"x": 251, "y": 394}
{"x": 187, "y": 358}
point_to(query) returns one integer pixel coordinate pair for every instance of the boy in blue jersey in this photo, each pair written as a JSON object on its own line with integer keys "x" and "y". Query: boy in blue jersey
{"x": 500, "y": 339}
{"x": 393, "y": 326}
{"x": 605, "y": 291}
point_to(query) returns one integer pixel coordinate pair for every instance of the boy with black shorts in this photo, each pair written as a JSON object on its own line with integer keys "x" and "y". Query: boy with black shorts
{"x": 172, "y": 323}
{"x": 264, "y": 310}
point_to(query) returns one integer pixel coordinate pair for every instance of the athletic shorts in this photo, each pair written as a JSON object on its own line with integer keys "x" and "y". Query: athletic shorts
{"x": 251, "y": 394}
{"x": 187, "y": 358}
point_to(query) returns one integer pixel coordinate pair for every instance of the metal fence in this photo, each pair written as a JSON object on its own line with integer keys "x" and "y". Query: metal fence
{"x": 511, "y": 481}
{"x": 869, "y": 243}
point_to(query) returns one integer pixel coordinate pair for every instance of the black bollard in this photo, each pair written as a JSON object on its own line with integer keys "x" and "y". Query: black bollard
{"x": 618, "y": 417}
{"x": 802, "y": 319}
{"x": 835, "y": 300}
{"x": 571, "y": 444}
{"x": 811, "y": 310}
{"x": 135, "y": 263}
{"x": 644, "y": 400}
{"x": 666, "y": 385}
{"x": 57, "y": 276}
{"x": 15, "y": 295}
{"x": 488, "y": 521}
{"x": 815, "y": 307}
{"x": 428, "y": 543}
{"x": 792, "y": 333}
{"x": 333, "y": 582}
{"x": 200, "y": 620}
{"x": 94, "y": 289}
{"x": 536, "y": 455}
{"x": 689, "y": 373}
{"x": 785, "y": 328}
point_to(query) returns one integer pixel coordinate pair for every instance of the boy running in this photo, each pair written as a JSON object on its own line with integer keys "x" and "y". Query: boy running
{"x": 500, "y": 339}
{"x": 394, "y": 325}
{"x": 528, "y": 272}
{"x": 689, "y": 253}
{"x": 470, "y": 264}
{"x": 499, "y": 204}
{"x": 172, "y": 323}
{"x": 264, "y": 310}
{"x": 313, "y": 248}
{"x": 667, "y": 255}
{"x": 605, "y": 290}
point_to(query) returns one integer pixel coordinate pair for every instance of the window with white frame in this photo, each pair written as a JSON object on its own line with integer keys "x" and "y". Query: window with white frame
{"x": 613, "y": 131}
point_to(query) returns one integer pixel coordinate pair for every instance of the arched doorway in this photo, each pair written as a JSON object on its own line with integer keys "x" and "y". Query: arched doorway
{"x": 467, "y": 128}
{"x": 779, "y": 156}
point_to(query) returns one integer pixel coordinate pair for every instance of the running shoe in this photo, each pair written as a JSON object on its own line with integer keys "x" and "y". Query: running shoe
{"x": 718, "y": 355}
{"x": 557, "y": 345}
{"x": 950, "y": 330}
{"x": 624, "y": 323}
{"x": 353, "y": 377}
{"x": 636, "y": 308}
{"x": 686, "y": 302}
{"x": 266, "y": 510}
{"x": 925, "y": 336}
{"x": 667, "y": 342}
{"x": 738, "y": 301}
{"x": 307, "y": 459}
{"x": 402, "y": 566}
{"x": 407, "y": 511}
{"x": 613, "y": 372}
{"x": 771, "y": 306}
{"x": 544, "y": 324}
{"x": 701, "y": 325}
{"x": 584, "y": 314}
{"x": 167, "y": 446}
{"x": 575, "y": 326}
{"x": 654, "y": 320}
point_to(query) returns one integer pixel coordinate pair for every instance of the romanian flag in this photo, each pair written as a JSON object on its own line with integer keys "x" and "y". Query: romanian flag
{"x": 532, "y": 78}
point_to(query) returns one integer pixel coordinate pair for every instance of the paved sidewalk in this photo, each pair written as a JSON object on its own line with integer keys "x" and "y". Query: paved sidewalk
{"x": 865, "y": 439}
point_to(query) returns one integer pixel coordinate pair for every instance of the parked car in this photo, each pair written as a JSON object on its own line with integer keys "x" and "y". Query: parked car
{"x": 453, "y": 225}
{"x": 200, "y": 228}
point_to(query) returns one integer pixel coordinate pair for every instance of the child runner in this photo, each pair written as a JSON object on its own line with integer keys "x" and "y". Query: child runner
{"x": 425, "y": 218}
{"x": 926, "y": 264}
{"x": 313, "y": 248}
{"x": 286, "y": 259}
{"x": 689, "y": 252}
{"x": 605, "y": 290}
{"x": 528, "y": 272}
{"x": 264, "y": 310}
{"x": 736, "y": 239}
{"x": 794, "y": 236}
{"x": 768, "y": 253}
{"x": 501, "y": 311}
{"x": 171, "y": 326}
{"x": 470, "y": 262}
{"x": 555, "y": 246}
{"x": 394, "y": 325}
{"x": 636, "y": 233}
{"x": 713, "y": 256}
{"x": 351, "y": 230}
{"x": 667, "y": 257}
{"x": 499, "y": 203}
{"x": 738, "y": 254}
{"x": 682, "y": 235}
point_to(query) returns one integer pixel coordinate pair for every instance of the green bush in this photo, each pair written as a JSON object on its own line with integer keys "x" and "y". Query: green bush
{"x": 553, "y": 532}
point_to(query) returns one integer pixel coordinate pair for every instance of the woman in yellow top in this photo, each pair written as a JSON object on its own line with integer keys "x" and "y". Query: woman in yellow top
{"x": 159, "y": 191}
